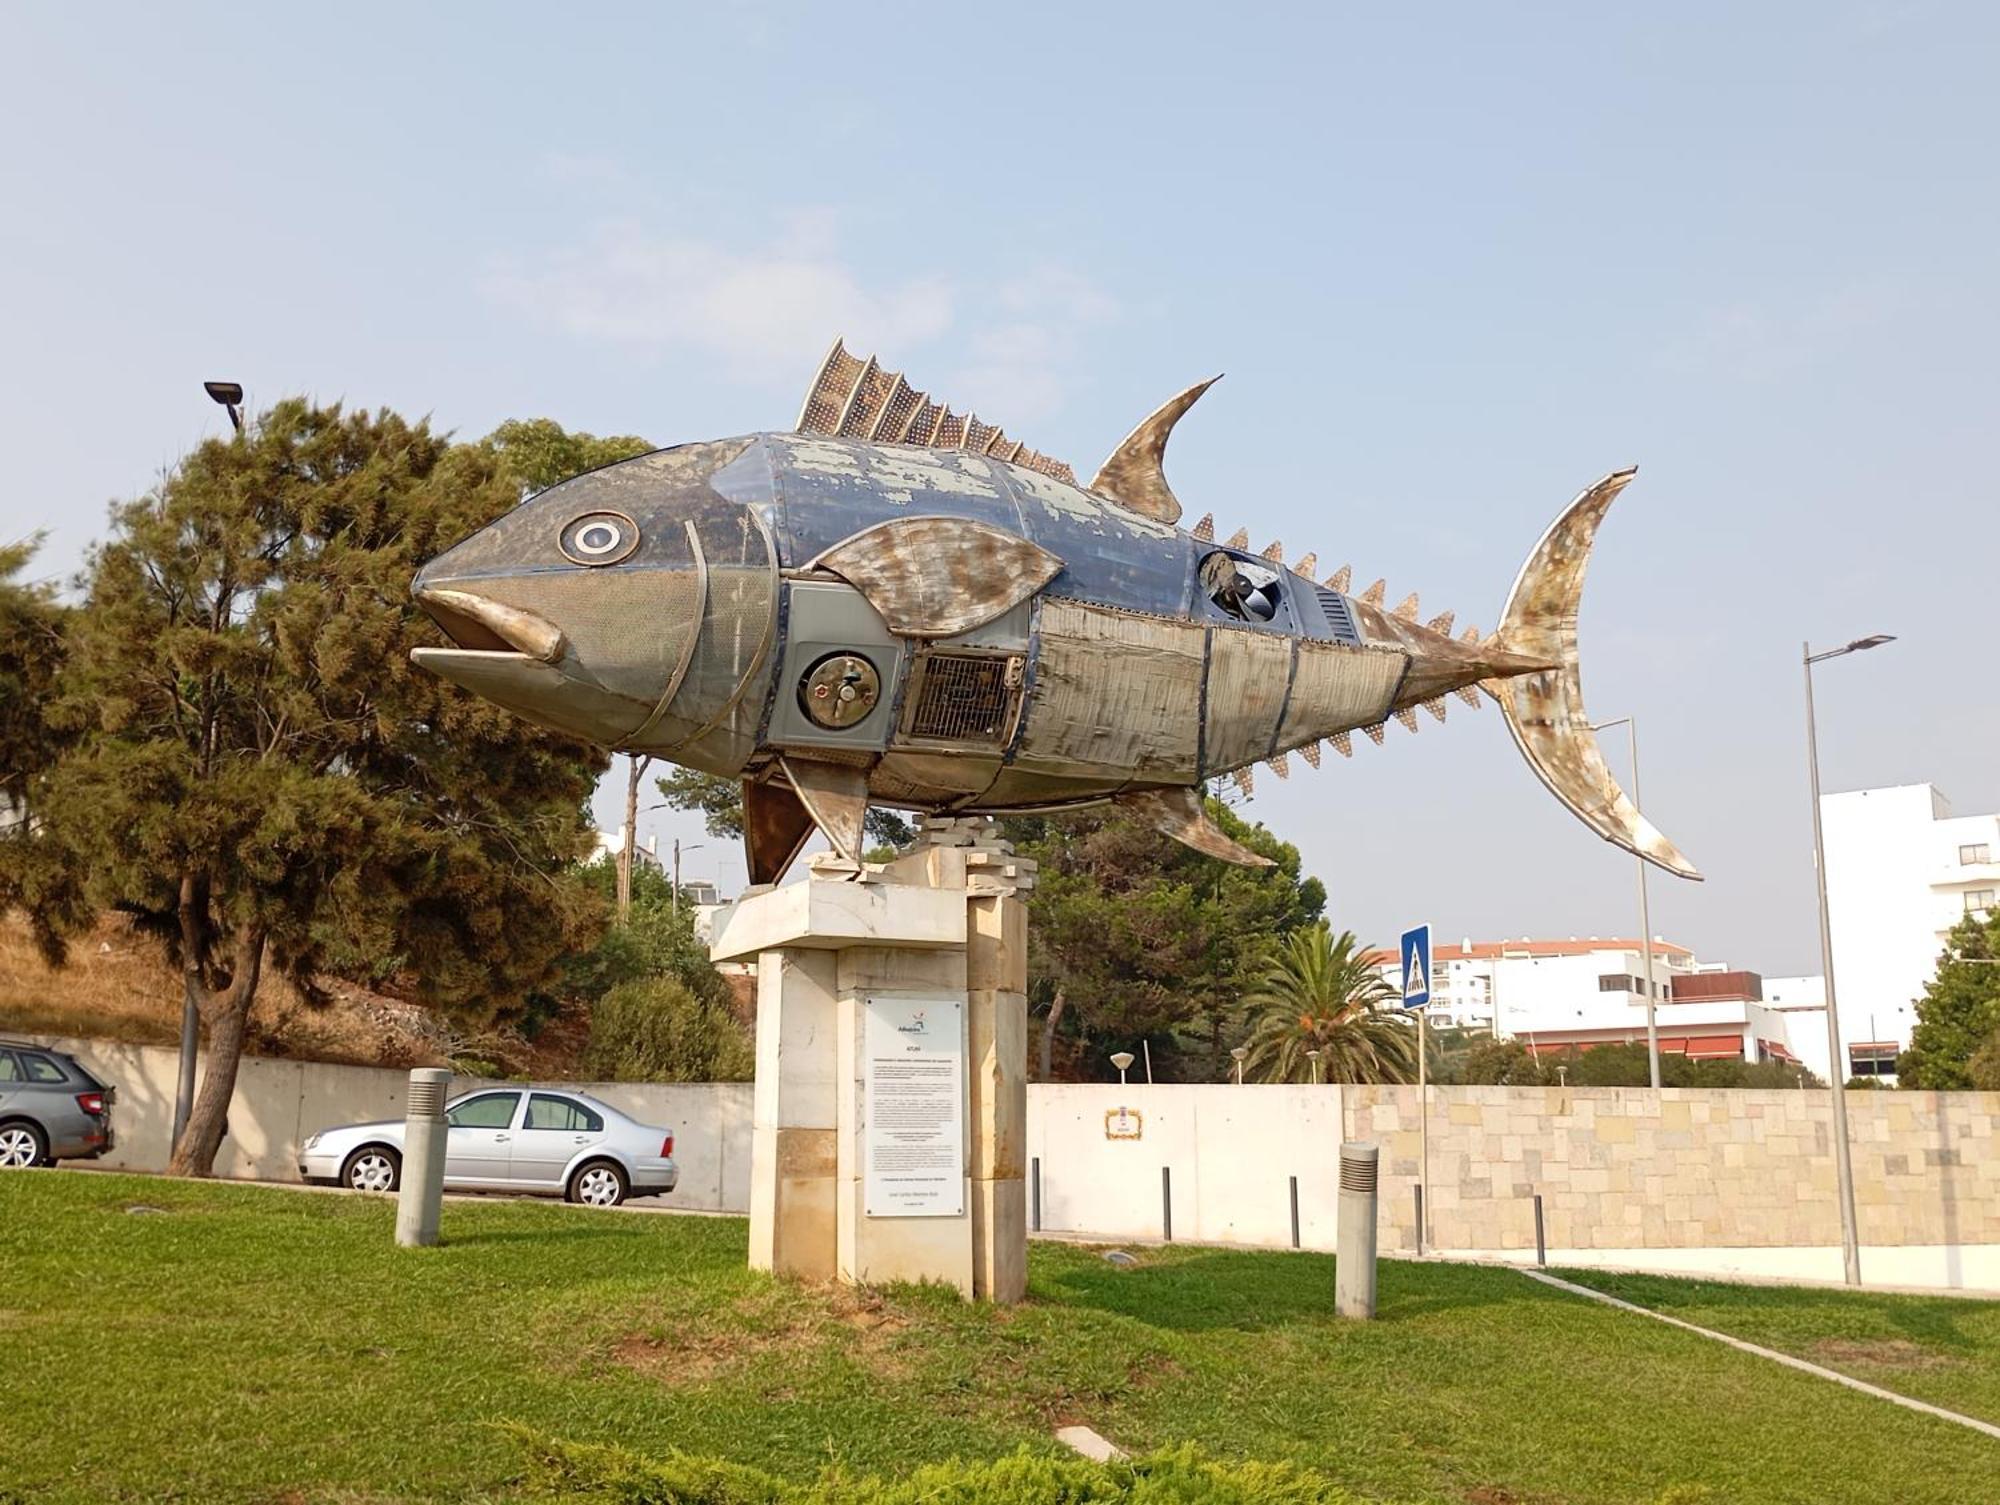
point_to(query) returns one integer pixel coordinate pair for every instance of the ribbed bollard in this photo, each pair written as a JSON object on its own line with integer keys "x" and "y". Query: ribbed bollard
{"x": 422, "y": 1188}
{"x": 1354, "y": 1239}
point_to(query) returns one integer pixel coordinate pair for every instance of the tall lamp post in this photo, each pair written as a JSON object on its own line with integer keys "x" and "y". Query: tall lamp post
{"x": 678, "y": 849}
{"x": 1237, "y": 1054}
{"x": 1836, "y": 1076}
{"x": 230, "y": 395}
{"x": 1631, "y": 725}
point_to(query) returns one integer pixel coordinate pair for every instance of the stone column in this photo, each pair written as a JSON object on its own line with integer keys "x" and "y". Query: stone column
{"x": 792, "y": 1115}
{"x": 942, "y": 924}
{"x": 996, "y": 974}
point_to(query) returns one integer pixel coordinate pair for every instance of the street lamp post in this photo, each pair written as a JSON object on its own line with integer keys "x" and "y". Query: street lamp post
{"x": 678, "y": 849}
{"x": 1313, "y": 1056}
{"x": 1237, "y": 1054}
{"x": 1631, "y": 725}
{"x": 1836, "y": 1075}
{"x": 230, "y": 395}
{"x": 1121, "y": 1059}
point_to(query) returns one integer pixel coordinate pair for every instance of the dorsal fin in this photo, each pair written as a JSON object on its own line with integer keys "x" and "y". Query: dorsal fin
{"x": 857, "y": 399}
{"x": 1133, "y": 477}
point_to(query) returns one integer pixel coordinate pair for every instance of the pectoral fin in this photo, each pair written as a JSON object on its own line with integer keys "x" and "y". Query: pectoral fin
{"x": 935, "y": 577}
{"x": 1179, "y": 813}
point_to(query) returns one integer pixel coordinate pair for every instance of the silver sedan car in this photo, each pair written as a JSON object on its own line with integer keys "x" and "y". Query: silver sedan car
{"x": 542, "y": 1140}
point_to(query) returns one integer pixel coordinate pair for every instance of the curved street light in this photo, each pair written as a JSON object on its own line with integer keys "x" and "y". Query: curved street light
{"x": 1836, "y": 1073}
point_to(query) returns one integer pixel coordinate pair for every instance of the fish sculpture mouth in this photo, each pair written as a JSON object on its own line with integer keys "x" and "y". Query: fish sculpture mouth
{"x": 478, "y": 624}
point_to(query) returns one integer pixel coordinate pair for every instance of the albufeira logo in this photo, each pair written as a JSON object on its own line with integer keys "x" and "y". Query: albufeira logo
{"x": 915, "y": 1026}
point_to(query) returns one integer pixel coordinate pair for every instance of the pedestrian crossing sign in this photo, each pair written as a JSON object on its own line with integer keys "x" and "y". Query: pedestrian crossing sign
{"x": 1417, "y": 967}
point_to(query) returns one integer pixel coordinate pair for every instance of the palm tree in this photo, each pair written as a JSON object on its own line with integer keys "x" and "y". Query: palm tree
{"x": 1317, "y": 993}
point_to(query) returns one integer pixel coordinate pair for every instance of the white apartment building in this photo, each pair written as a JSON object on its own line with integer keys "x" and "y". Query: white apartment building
{"x": 1901, "y": 870}
{"x": 1582, "y": 992}
{"x": 645, "y": 854}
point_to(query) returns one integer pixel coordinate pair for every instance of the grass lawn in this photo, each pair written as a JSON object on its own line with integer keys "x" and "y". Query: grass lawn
{"x": 252, "y": 1344}
{"x": 1943, "y": 1349}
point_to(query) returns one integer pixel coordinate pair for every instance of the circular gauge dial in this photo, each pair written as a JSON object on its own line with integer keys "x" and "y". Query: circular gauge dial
{"x": 839, "y": 691}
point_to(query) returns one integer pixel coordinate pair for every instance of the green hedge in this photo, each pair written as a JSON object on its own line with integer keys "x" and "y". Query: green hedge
{"x": 1178, "y": 1476}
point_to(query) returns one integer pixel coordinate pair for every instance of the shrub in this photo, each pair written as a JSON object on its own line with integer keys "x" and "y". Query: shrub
{"x": 1177, "y": 1476}
{"x": 656, "y": 1029}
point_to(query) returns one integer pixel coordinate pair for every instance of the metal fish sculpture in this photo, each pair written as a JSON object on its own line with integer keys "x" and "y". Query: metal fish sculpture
{"x": 899, "y": 605}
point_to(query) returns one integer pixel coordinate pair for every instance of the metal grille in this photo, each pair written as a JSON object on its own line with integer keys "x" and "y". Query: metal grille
{"x": 978, "y": 435}
{"x": 962, "y": 698}
{"x": 1338, "y": 618}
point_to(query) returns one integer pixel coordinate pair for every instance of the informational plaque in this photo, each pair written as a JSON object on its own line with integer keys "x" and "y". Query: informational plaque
{"x": 914, "y": 1107}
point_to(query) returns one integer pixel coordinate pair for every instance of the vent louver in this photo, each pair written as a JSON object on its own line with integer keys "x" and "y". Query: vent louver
{"x": 1339, "y": 620}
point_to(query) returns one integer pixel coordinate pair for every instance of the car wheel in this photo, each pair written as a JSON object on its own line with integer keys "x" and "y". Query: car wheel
{"x": 22, "y": 1145}
{"x": 599, "y": 1184}
{"x": 374, "y": 1167}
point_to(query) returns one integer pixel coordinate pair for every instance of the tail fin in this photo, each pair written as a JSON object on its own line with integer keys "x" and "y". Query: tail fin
{"x": 1544, "y": 710}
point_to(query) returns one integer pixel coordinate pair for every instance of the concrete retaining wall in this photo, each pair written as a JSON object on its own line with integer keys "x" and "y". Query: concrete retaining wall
{"x": 1619, "y": 1169}
{"x": 280, "y": 1104}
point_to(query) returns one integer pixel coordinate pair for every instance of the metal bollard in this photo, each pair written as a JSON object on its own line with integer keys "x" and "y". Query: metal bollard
{"x": 1541, "y": 1243}
{"x": 1166, "y": 1205}
{"x": 1354, "y": 1238}
{"x": 1420, "y": 1217}
{"x": 422, "y": 1188}
{"x": 1036, "y": 1185}
{"x": 1295, "y": 1212}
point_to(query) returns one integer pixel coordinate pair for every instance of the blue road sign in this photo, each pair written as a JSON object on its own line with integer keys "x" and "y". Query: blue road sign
{"x": 1417, "y": 967}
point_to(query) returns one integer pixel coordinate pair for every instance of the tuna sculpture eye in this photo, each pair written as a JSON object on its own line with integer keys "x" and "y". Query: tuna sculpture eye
{"x": 599, "y": 538}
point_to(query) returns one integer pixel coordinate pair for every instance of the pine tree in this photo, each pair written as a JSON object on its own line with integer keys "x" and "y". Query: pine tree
{"x": 1958, "y": 1018}
{"x": 258, "y": 773}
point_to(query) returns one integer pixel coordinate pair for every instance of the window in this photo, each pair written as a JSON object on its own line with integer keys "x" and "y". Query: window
{"x": 1620, "y": 982}
{"x": 490, "y": 1110}
{"x": 1978, "y": 899}
{"x": 546, "y": 1112}
{"x": 1968, "y": 856}
{"x": 41, "y": 1069}
{"x": 9, "y": 1072}
{"x": 1237, "y": 588}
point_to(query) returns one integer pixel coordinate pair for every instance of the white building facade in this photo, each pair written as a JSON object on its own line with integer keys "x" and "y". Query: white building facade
{"x": 1901, "y": 871}
{"x": 1576, "y": 993}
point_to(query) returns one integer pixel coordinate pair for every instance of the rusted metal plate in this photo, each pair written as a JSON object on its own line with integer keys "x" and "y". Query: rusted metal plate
{"x": 1116, "y": 691}
{"x": 1336, "y": 687}
{"x": 1247, "y": 675}
{"x": 936, "y": 577}
{"x": 776, "y": 825}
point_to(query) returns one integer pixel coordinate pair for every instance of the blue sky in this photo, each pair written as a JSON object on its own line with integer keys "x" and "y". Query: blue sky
{"x": 1457, "y": 262}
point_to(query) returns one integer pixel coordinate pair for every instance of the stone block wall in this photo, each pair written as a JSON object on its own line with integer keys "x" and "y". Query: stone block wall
{"x": 1622, "y": 1168}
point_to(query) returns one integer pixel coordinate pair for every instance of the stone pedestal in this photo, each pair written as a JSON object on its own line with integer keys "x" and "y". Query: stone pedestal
{"x": 936, "y": 942}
